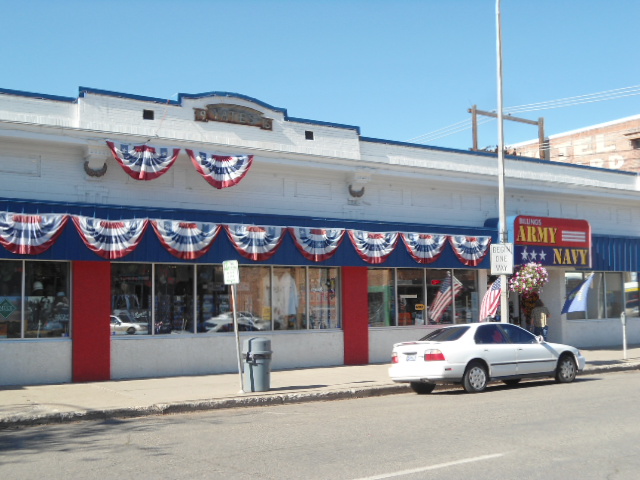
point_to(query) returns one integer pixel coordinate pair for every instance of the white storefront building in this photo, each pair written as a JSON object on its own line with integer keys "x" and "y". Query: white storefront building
{"x": 118, "y": 210}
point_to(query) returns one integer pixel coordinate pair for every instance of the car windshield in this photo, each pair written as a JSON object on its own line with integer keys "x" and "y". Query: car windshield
{"x": 448, "y": 334}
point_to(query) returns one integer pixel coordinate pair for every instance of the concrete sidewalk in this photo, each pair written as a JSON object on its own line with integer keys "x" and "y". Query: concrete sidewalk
{"x": 31, "y": 405}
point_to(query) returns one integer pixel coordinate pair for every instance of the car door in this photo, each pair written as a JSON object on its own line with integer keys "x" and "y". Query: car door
{"x": 495, "y": 348}
{"x": 532, "y": 357}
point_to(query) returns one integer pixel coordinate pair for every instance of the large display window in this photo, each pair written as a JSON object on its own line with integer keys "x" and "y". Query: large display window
{"x": 603, "y": 294}
{"x": 158, "y": 299}
{"x": 403, "y": 297}
{"x": 34, "y": 299}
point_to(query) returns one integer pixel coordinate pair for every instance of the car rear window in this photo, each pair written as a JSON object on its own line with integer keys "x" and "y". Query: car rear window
{"x": 448, "y": 334}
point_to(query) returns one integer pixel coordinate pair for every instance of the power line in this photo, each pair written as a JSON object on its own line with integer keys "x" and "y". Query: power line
{"x": 532, "y": 107}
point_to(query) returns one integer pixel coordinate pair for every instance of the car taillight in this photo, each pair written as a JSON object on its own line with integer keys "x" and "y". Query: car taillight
{"x": 433, "y": 356}
{"x": 394, "y": 358}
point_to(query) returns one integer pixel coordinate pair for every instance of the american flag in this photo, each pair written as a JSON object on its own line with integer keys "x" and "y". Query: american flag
{"x": 444, "y": 298}
{"x": 490, "y": 301}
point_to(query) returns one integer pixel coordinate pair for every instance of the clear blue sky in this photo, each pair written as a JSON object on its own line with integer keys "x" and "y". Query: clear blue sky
{"x": 398, "y": 69}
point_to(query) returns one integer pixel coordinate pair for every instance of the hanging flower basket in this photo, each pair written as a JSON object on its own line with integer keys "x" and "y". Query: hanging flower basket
{"x": 529, "y": 279}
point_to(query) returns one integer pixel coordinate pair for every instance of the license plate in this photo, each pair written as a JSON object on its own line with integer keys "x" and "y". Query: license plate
{"x": 411, "y": 358}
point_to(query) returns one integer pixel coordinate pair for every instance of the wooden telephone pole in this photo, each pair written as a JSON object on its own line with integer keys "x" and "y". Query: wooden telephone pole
{"x": 540, "y": 123}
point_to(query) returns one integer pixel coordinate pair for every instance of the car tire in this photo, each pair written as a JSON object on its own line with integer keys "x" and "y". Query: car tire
{"x": 512, "y": 381}
{"x": 567, "y": 370}
{"x": 475, "y": 378}
{"x": 131, "y": 331}
{"x": 422, "y": 388}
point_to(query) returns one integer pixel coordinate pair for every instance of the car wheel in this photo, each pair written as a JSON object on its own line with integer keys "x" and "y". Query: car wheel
{"x": 475, "y": 378}
{"x": 567, "y": 370}
{"x": 131, "y": 330}
{"x": 512, "y": 381}
{"x": 422, "y": 388}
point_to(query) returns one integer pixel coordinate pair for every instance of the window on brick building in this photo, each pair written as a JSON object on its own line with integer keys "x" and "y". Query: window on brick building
{"x": 308, "y": 135}
{"x": 147, "y": 114}
{"x": 635, "y": 143}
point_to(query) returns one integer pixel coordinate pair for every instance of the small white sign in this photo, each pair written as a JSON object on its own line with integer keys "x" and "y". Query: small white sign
{"x": 231, "y": 272}
{"x": 502, "y": 259}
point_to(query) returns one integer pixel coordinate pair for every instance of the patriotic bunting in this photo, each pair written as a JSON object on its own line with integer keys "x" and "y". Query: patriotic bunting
{"x": 373, "y": 247}
{"x": 186, "y": 240}
{"x": 33, "y": 234}
{"x": 144, "y": 162}
{"x": 110, "y": 239}
{"x": 424, "y": 247}
{"x": 219, "y": 170}
{"x": 317, "y": 244}
{"x": 470, "y": 250}
{"x": 255, "y": 243}
{"x": 30, "y": 234}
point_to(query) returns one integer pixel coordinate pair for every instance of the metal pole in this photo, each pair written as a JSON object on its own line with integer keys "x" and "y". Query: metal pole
{"x": 504, "y": 301}
{"x": 235, "y": 329}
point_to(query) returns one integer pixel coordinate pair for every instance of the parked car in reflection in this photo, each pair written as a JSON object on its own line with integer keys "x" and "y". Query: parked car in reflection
{"x": 474, "y": 354}
{"x": 120, "y": 327}
{"x": 224, "y": 323}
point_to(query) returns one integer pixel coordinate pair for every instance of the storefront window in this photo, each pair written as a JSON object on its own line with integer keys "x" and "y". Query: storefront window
{"x": 131, "y": 298}
{"x": 466, "y": 300}
{"x": 289, "y": 300}
{"x": 11, "y": 299}
{"x": 631, "y": 294}
{"x": 173, "y": 299}
{"x": 34, "y": 299}
{"x": 212, "y": 299}
{"x": 381, "y": 297}
{"x": 603, "y": 296}
{"x": 440, "y": 295}
{"x": 411, "y": 306}
{"x": 253, "y": 299}
{"x": 324, "y": 298}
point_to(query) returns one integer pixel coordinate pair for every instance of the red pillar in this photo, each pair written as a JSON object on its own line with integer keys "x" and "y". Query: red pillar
{"x": 355, "y": 315}
{"x": 91, "y": 324}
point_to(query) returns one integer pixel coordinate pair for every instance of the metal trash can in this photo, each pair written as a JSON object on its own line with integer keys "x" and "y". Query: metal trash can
{"x": 256, "y": 354}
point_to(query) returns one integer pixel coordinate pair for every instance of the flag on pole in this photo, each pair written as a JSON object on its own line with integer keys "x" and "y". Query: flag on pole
{"x": 491, "y": 301}
{"x": 444, "y": 298}
{"x": 577, "y": 300}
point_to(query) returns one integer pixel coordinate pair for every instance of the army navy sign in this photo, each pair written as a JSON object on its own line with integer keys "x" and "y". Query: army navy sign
{"x": 551, "y": 241}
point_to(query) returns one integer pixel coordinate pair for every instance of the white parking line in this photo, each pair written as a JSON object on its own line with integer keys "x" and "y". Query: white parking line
{"x": 432, "y": 467}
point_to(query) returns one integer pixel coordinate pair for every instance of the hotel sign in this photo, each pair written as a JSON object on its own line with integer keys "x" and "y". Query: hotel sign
{"x": 551, "y": 241}
{"x": 227, "y": 113}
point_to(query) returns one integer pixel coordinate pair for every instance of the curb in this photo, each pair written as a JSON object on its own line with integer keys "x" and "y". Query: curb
{"x": 263, "y": 400}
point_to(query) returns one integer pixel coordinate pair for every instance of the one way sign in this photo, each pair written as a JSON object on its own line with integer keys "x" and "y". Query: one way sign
{"x": 501, "y": 258}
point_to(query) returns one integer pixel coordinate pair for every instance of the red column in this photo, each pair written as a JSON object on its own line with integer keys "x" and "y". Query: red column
{"x": 355, "y": 315}
{"x": 91, "y": 324}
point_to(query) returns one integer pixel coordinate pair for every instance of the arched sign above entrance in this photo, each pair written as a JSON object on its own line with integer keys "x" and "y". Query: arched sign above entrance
{"x": 551, "y": 241}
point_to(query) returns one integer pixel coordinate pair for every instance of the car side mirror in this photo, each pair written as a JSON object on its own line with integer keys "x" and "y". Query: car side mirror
{"x": 540, "y": 339}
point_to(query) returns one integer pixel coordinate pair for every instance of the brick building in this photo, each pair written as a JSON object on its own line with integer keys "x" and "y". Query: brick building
{"x": 613, "y": 145}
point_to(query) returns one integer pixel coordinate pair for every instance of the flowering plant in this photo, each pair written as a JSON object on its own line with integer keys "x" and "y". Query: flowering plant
{"x": 530, "y": 278}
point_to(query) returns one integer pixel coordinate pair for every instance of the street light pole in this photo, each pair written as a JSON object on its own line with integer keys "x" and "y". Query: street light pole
{"x": 502, "y": 224}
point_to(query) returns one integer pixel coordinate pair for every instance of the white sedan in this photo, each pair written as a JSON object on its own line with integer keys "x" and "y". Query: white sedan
{"x": 473, "y": 354}
{"x": 118, "y": 326}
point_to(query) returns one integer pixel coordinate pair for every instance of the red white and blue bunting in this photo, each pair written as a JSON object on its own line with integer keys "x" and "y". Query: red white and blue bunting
{"x": 424, "y": 247}
{"x": 255, "y": 242}
{"x": 110, "y": 239}
{"x": 30, "y": 234}
{"x": 317, "y": 244}
{"x": 186, "y": 240}
{"x": 470, "y": 250}
{"x": 144, "y": 162}
{"x": 219, "y": 170}
{"x": 373, "y": 247}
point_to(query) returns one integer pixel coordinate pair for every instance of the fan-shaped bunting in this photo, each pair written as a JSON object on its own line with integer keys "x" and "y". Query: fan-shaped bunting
{"x": 111, "y": 239}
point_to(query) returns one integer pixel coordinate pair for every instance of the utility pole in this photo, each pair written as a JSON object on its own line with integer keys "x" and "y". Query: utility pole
{"x": 540, "y": 123}
{"x": 502, "y": 223}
